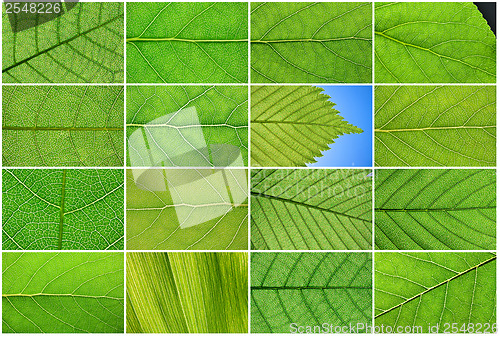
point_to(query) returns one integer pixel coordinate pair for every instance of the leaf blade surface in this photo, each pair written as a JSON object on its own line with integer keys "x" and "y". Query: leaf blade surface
{"x": 435, "y": 126}
{"x": 62, "y": 126}
{"x": 62, "y": 292}
{"x": 436, "y": 42}
{"x": 311, "y": 209}
{"x": 290, "y": 125}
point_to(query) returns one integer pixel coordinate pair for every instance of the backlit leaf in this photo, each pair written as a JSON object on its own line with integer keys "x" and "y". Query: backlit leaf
{"x": 62, "y": 292}
{"x": 62, "y": 209}
{"x": 311, "y": 209}
{"x": 433, "y": 42}
{"x": 187, "y": 292}
{"x": 187, "y": 209}
{"x": 62, "y": 125}
{"x": 435, "y": 209}
{"x": 435, "y": 126}
{"x": 302, "y": 42}
{"x": 187, "y": 42}
{"x": 310, "y": 289}
{"x": 83, "y": 45}
{"x": 428, "y": 289}
{"x": 187, "y": 126}
{"x": 290, "y": 125}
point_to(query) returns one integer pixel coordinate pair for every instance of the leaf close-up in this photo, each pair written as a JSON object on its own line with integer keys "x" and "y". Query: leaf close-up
{"x": 187, "y": 209}
{"x": 62, "y": 126}
{"x": 83, "y": 43}
{"x": 62, "y": 209}
{"x": 433, "y": 42}
{"x": 187, "y": 293}
{"x": 291, "y": 125}
{"x": 435, "y": 209}
{"x": 187, "y": 42}
{"x": 303, "y": 42}
{"x": 310, "y": 289}
{"x": 450, "y": 290}
{"x": 435, "y": 126}
{"x": 200, "y": 126}
{"x": 62, "y": 292}
{"x": 311, "y": 209}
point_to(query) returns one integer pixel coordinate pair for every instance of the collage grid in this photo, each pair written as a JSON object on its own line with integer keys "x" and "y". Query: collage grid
{"x": 327, "y": 255}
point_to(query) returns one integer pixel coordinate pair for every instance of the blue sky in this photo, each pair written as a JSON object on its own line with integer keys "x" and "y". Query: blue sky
{"x": 354, "y": 104}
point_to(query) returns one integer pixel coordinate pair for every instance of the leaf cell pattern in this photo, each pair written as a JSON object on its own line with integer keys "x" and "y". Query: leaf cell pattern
{"x": 303, "y": 42}
{"x": 440, "y": 42}
{"x": 290, "y": 125}
{"x": 62, "y": 209}
{"x": 83, "y": 45}
{"x": 309, "y": 289}
{"x": 311, "y": 209}
{"x": 435, "y": 209}
{"x": 422, "y": 289}
{"x": 435, "y": 126}
{"x": 62, "y": 126}
{"x": 62, "y": 292}
{"x": 187, "y": 42}
{"x": 177, "y": 121}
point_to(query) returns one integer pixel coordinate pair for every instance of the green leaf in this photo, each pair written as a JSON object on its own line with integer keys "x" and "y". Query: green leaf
{"x": 311, "y": 209}
{"x": 310, "y": 289}
{"x": 62, "y": 292}
{"x": 62, "y": 209}
{"x": 83, "y": 45}
{"x": 321, "y": 42}
{"x": 422, "y": 289}
{"x": 439, "y": 42}
{"x": 290, "y": 125}
{"x": 187, "y": 126}
{"x": 177, "y": 209}
{"x": 187, "y": 292}
{"x": 435, "y": 209}
{"x": 435, "y": 126}
{"x": 194, "y": 42}
{"x": 62, "y": 125}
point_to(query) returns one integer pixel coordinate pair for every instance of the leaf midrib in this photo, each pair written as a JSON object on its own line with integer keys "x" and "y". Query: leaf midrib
{"x": 57, "y": 128}
{"x": 433, "y": 52}
{"x": 436, "y": 286}
{"x": 307, "y": 287}
{"x": 432, "y": 209}
{"x": 63, "y": 295}
{"x": 437, "y": 128}
{"x": 256, "y": 194}
{"x": 61, "y": 211}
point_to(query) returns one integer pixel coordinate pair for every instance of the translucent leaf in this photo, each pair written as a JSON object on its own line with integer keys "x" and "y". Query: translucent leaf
{"x": 62, "y": 125}
{"x": 62, "y": 292}
{"x": 302, "y": 42}
{"x": 439, "y": 42}
{"x": 187, "y": 126}
{"x": 434, "y": 288}
{"x": 187, "y": 292}
{"x": 62, "y": 209}
{"x": 83, "y": 45}
{"x": 435, "y": 126}
{"x": 290, "y": 125}
{"x": 311, "y": 209}
{"x": 194, "y": 42}
{"x": 187, "y": 209}
{"x": 310, "y": 289}
{"x": 435, "y": 209}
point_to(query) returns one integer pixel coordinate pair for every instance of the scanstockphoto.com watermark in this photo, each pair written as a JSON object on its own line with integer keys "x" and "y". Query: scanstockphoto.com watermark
{"x": 327, "y": 328}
